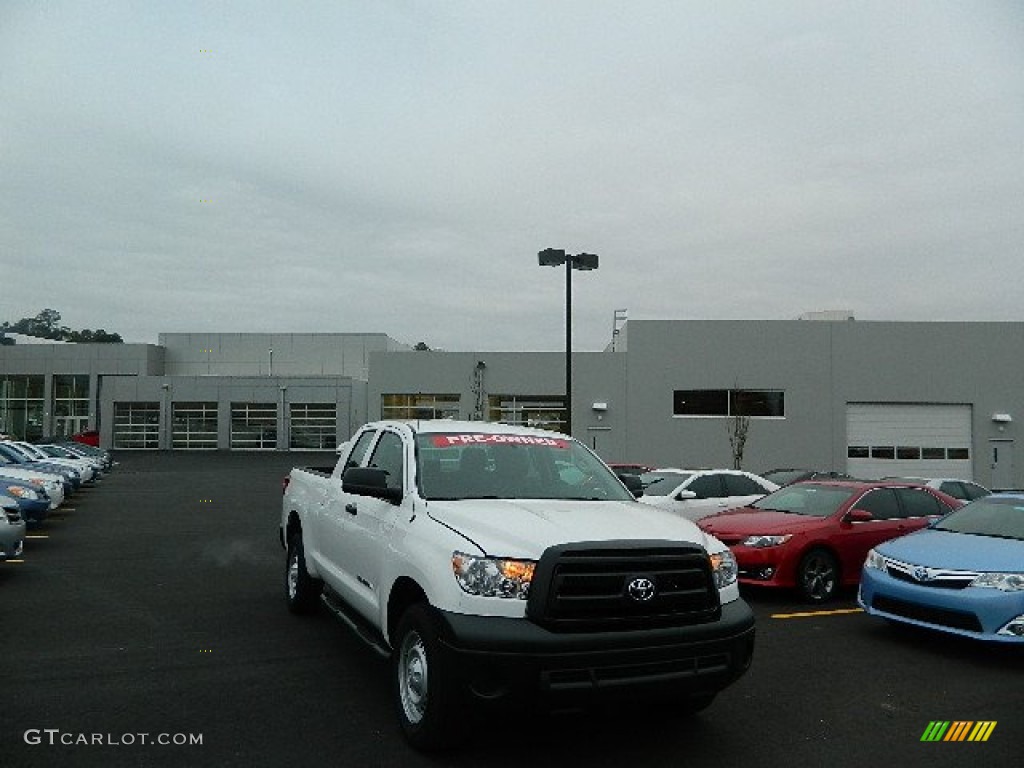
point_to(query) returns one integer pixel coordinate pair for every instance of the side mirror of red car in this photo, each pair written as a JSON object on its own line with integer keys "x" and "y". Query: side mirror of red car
{"x": 859, "y": 516}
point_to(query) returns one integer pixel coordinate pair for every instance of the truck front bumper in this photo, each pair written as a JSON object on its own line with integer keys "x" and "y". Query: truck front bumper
{"x": 501, "y": 659}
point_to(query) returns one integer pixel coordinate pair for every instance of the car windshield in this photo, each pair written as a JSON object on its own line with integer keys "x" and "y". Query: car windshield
{"x": 662, "y": 483}
{"x": 512, "y": 466}
{"x": 1000, "y": 518}
{"x": 784, "y": 476}
{"x": 805, "y": 499}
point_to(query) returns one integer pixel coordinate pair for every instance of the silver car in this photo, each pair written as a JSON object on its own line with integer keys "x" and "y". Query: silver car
{"x": 12, "y": 529}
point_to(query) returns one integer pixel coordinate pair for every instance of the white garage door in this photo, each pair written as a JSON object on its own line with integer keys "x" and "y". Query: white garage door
{"x": 904, "y": 440}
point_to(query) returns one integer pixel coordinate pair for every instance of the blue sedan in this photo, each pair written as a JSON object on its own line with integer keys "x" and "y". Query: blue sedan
{"x": 963, "y": 575}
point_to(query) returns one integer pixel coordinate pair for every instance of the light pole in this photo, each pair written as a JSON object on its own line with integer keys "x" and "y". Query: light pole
{"x": 552, "y": 257}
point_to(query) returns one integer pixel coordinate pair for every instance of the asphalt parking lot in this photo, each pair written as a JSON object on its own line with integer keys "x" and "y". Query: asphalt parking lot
{"x": 151, "y": 611}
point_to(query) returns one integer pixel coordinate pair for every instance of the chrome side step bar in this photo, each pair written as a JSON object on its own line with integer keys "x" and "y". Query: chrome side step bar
{"x": 357, "y": 624}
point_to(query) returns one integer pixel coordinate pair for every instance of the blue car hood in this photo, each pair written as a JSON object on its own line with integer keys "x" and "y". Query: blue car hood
{"x": 957, "y": 551}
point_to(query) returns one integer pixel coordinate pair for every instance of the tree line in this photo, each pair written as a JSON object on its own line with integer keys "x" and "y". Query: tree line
{"x": 46, "y": 325}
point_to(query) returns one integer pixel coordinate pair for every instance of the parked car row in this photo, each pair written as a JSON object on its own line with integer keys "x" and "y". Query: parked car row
{"x": 36, "y": 479}
{"x": 917, "y": 553}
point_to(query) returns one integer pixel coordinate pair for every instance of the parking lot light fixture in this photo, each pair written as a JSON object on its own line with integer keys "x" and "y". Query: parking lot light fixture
{"x": 585, "y": 262}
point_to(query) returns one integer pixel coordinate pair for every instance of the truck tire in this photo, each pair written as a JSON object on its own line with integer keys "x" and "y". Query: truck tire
{"x": 301, "y": 590}
{"x": 423, "y": 686}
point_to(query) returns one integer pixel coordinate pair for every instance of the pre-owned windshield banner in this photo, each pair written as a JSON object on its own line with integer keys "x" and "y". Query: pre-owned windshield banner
{"x": 450, "y": 441}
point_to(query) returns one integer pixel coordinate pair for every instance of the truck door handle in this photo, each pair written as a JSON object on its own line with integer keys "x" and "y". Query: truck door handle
{"x": 351, "y": 508}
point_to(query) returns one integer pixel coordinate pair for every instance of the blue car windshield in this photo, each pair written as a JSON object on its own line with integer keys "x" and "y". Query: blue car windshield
{"x": 1000, "y": 518}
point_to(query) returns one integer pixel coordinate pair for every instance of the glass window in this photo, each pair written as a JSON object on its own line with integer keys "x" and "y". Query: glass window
{"x": 933, "y": 453}
{"x": 975, "y": 491}
{"x": 908, "y": 452}
{"x": 881, "y": 503}
{"x": 254, "y": 426}
{"x": 804, "y": 499}
{"x": 389, "y": 457}
{"x": 355, "y": 458}
{"x": 954, "y": 489}
{"x": 858, "y": 452}
{"x": 918, "y": 503}
{"x": 958, "y": 454}
{"x": 757, "y": 402}
{"x": 419, "y": 406}
{"x": 662, "y": 483}
{"x": 541, "y": 411}
{"x": 700, "y": 402}
{"x": 137, "y": 425}
{"x": 314, "y": 426}
{"x": 741, "y": 485}
{"x": 707, "y": 487}
{"x": 883, "y": 452}
{"x": 194, "y": 426}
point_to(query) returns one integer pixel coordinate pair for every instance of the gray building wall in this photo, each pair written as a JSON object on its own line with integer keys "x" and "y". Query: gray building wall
{"x": 349, "y": 396}
{"x": 822, "y": 367}
{"x": 598, "y": 377}
{"x": 274, "y": 354}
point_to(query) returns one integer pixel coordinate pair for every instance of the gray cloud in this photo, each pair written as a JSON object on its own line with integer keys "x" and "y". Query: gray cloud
{"x": 396, "y": 166}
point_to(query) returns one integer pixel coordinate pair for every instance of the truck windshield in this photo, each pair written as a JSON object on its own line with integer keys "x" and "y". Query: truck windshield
{"x": 509, "y": 466}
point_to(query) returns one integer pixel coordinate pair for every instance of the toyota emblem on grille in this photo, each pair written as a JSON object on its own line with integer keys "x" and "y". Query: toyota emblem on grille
{"x": 923, "y": 574}
{"x": 640, "y": 589}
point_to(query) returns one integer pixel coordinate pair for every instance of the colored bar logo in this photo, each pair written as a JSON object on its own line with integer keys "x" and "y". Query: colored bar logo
{"x": 958, "y": 730}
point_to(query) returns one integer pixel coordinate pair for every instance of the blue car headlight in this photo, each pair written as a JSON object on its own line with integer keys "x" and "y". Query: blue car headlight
{"x": 875, "y": 561}
{"x": 1007, "y": 582}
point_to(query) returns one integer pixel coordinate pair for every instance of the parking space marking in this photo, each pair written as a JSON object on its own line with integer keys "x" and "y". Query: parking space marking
{"x": 809, "y": 614}
{"x": 36, "y": 536}
{"x": 13, "y": 561}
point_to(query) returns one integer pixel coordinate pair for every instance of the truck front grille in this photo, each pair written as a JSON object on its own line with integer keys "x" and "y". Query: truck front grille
{"x": 621, "y": 585}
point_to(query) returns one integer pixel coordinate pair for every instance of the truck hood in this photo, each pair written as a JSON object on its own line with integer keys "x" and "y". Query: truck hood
{"x": 524, "y": 528}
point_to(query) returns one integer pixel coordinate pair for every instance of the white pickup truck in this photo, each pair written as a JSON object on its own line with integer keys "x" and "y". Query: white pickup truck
{"x": 497, "y": 564}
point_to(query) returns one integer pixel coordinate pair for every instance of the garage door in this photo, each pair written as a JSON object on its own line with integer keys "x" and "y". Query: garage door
{"x": 908, "y": 440}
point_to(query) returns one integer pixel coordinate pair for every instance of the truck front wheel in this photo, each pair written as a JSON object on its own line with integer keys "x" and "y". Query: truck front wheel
{"x": 424, "y": 693}
{"x": 302, "y": 591}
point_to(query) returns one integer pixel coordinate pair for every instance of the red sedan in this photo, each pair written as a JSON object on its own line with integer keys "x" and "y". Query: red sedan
{"x": 814, "y": 536}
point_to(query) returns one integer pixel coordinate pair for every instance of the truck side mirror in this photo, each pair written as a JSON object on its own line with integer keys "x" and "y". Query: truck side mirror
{"x": 369, "y": 481}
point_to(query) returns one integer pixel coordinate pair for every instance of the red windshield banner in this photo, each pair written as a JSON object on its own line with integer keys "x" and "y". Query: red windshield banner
{"x": 450, "y": 441}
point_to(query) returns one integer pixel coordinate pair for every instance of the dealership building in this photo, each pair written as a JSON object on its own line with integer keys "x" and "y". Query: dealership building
{"x": 870, "y": 398}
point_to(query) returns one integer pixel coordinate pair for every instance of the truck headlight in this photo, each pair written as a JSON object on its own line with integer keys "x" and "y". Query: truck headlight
{"x": 766, "y": 541}
{"x": 493, "y": 577}
{"x": 1007, "y": 582}
{"x": 724, "y": 567}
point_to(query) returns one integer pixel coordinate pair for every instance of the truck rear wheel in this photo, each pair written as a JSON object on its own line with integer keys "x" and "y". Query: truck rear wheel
{"x": 302, "y": 591}
{"x": 424, "y": 693}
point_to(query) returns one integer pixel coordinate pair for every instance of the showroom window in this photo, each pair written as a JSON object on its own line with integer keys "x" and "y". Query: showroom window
{"x": 419, "y": 406}
{"x": 253, "y": 426}
{"x": 314, "y": 426}
{"x": 539, "y": 411}
{"x": 70, "y": 403}
{"x": 756, "y": 403}
{"x": 194, "y": 426}
{"x": 21, "y": 406}
{"x": 137, "y": 425}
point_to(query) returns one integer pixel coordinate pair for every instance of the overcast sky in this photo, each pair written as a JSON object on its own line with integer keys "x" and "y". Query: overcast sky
{"x": 395, "y": 166}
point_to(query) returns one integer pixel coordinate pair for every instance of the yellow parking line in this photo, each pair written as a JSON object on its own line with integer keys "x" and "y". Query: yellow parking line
{"x": 13, "y": 561}
{"x": 808, "y": 614}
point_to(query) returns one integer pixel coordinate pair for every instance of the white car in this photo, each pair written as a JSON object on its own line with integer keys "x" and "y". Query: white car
{"x": 965, "y": 490}
{"x": 34, "y": 453}
{"x": 698, "y": 493}
{"x": 49, "y": 482}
